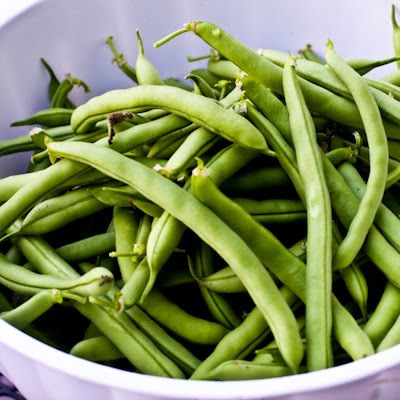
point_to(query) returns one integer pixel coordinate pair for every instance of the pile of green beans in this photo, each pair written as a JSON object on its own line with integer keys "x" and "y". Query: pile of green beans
{"x": 244, "y": 225}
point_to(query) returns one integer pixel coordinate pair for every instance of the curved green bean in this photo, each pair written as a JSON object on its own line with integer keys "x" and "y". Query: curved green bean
{"x": 379, "y": 157}
{"x": 198, "y": 109}
{"x": 145, "y": 72}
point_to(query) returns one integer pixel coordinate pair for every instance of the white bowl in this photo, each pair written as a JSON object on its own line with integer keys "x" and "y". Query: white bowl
{"x": 70, "y": 35}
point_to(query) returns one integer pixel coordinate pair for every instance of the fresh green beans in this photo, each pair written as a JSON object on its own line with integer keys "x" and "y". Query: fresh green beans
{"x": 145, "y": 72}
{"x": 378, "y": 159}
{"x": 196, "y": 220}
{"x": 293, "y": 158}
{"x": 52, "y": 117}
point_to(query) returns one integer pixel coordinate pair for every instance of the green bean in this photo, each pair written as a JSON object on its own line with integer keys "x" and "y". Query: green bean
{"x": 391, "y": 338}
{"x": 11, "y": 184}
{"x": 385, "y": 314}
{"x": 145, "y": 72}
{"x": 129, "y": 71}
{"x": 33, "y": 308}
{"x": 364, "y": 66}
{"x": 164, "y": 237}
{"x": 58, "y": 211}
{"x": 16, "y": 145}
{"x": 95, "y": 283}
{"x": 246, "y": 370}
{"x": 309, "y": 54}
{"x": 96, "y": 349}
{"x": 138, "y": 245}
{"x": 136, "y": 283}
{"x": 55, "y": 176}
{"x": 87, "y": 248}
{"x": 125, "y": 227}
{"x": 134, "y": 287}
{"x": 51, "y": 117}
{"x": 198, "y": 109}
{"x": 319, "y": 226}
{"x": 385, "y": 220}
{"x": 187, "y": 326}
{"x": 240, "y": 342}
{"x": 218, "y": 306}
{"x": 396, "y": 34}
{"x": 198, "y": 216}
{"x": 349, "y": 334}
{"x": 43, "y": 257}
{"x": 356, "y": 284}
{"x": 376, "y": 137}
{"x": 60, "y": 96}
